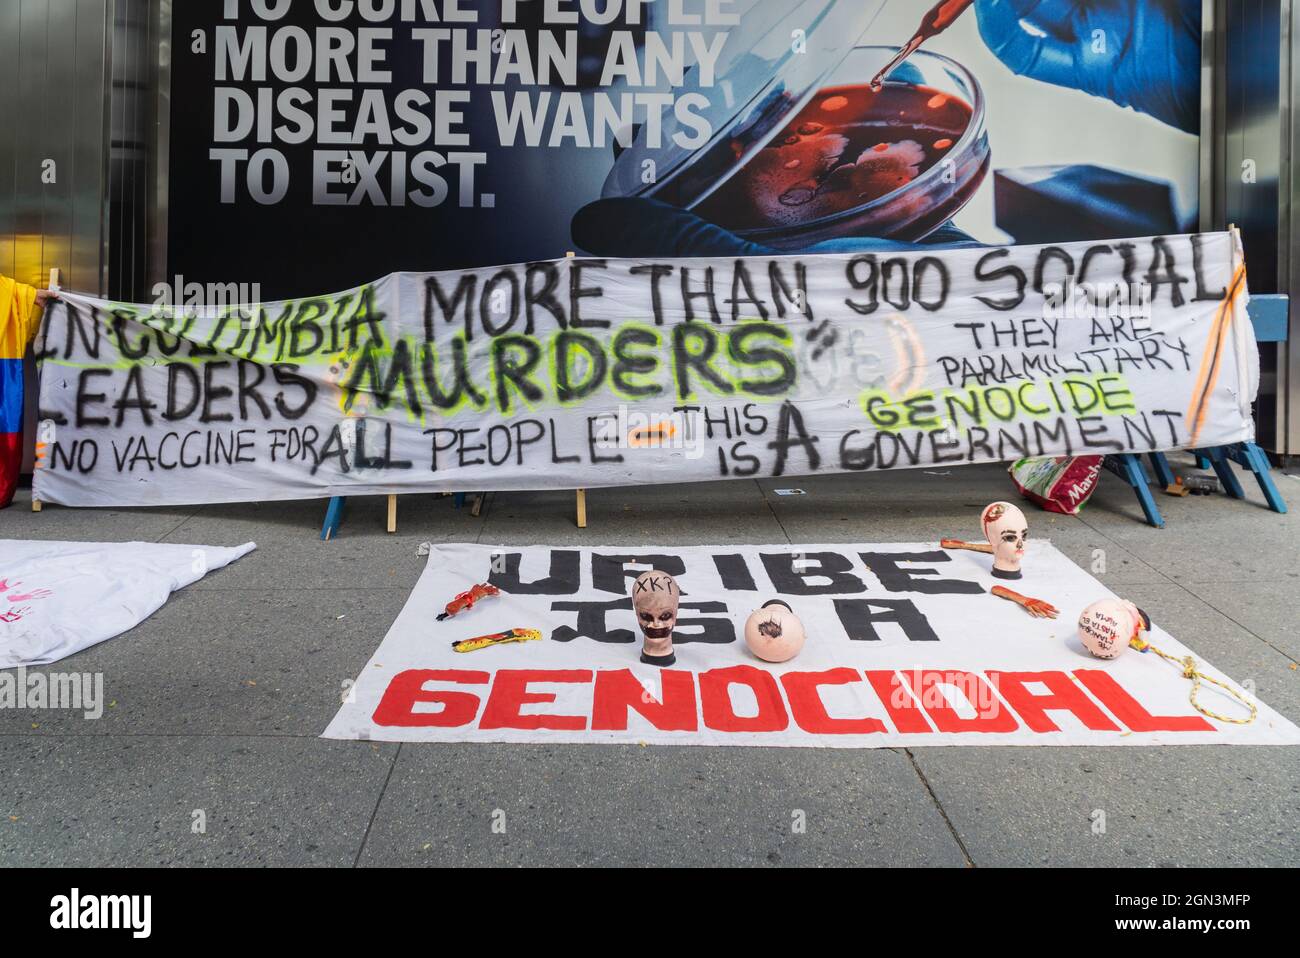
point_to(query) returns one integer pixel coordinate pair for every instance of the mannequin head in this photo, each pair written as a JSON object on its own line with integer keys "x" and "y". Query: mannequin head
{"x": 1006, "y": 530}
{"x": 655, "y": 597}
{"x": 774, "y": 633}
{"x": 1109, "y": 626}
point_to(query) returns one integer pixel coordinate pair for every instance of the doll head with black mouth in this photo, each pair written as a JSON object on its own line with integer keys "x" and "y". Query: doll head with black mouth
{"x": 655, "y": 598}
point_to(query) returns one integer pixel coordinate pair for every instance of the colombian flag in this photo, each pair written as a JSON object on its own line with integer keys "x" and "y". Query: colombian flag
{"x": 19, "y": 319}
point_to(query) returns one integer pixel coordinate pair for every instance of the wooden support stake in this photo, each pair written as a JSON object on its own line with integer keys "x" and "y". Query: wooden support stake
{"x": 392, "y": 513}
{"x": 476, "y": 509}
{"x": 55, "y": 283}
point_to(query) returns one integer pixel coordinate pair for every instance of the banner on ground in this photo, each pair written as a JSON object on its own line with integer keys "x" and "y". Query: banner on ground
{"x": 57, "y": 598}
{"x": 905, "y": 646}
{"x": 606, "y": 372}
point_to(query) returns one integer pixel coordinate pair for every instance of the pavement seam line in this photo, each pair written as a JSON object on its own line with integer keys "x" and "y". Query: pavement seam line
{"x": 178, "y": 525}
{"x": 768, "y": 502}
{"x": 483, "y": 519}
{"x": 378, "y": 802}
{"x": 1249, "y": 631}
{"x": 952, "y": 829}
{"x": 1123, "y": 548}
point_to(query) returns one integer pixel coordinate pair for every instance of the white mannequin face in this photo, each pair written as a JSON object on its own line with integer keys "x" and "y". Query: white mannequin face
{"x": 1006, "y": 529}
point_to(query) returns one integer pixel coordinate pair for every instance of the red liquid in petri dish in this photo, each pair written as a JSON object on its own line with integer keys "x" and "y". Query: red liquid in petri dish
{"x": 847, "y": 147}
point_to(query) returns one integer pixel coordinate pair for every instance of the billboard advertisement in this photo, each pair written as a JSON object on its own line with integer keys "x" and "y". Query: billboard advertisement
{"x": 316, "y": 145}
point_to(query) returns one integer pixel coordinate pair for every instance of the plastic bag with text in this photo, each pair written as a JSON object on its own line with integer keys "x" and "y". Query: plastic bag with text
{"x": 1060, "y": 484}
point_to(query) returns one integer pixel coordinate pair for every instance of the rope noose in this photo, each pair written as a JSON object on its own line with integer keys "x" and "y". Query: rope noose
{"x": 1188, "y": 665}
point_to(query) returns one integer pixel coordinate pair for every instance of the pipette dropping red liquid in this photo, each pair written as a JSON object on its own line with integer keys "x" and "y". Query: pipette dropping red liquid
{"x": 940, "y": 17}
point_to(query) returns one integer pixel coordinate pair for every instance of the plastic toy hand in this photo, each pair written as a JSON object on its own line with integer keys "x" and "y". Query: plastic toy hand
{"x": 1140, "y": 53}
{"x": 635, "y": 227}
{"x": 1038, "y": 608}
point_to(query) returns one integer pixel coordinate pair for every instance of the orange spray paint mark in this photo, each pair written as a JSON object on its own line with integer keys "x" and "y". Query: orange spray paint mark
{"x": 1213, "y": 356}
{"x": 649, "y": 437}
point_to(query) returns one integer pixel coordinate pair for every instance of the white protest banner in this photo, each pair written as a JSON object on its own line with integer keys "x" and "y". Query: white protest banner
{"x": 905, "y": 646}
{"x": 587, "y": 373}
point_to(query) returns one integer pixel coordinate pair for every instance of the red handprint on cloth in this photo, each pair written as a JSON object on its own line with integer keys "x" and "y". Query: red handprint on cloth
{"x": 13, "y": 615}
{"x": 9, "y": 590}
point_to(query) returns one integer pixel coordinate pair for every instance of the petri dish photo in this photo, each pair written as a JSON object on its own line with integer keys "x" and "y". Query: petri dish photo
{"x": 894, "y": 163}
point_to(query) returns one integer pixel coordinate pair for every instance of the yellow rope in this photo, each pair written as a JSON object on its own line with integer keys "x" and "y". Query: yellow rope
{"x": 1188, "y": 665}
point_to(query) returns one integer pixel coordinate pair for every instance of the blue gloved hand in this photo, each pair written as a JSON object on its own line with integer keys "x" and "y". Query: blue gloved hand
{"x": 1140, "y": 53}
{"x": 640, "y": 228}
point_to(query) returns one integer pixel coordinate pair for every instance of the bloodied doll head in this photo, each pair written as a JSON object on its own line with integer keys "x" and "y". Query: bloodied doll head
{"x": 1109, "y": 626}
{"x": 774, "y": 633}
{"x": 655, "y": 597}
{"x": 1006, "y": 529}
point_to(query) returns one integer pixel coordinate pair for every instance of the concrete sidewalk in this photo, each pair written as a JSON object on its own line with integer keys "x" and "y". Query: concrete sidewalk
{"x": 216, "y": 703}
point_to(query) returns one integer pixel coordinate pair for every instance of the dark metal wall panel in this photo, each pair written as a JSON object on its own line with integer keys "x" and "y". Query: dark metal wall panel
{"x": 9, "y": 68}
{"x": 160, "y": 155}
{"x": 1253, "y": 182}
{"x": 53, "y": 91}
{"x": 131, "y": 120}
{"x": 1252, "y": 104}
{"x": 29, "y": 199}
{"x": 88, "y": 265}
{"x": 58, "y": 133}
{"x": 1288, "y": 356}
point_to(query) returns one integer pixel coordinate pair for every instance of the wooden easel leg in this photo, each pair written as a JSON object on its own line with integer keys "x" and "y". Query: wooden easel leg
{"x": 36, "y": 505}
{"x": 392, "y": 513}
{"x": 582, "y": 508}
